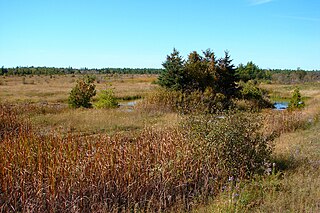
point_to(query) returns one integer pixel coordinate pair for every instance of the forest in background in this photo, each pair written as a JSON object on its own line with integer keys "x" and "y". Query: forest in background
{"x": 247, "y": 71}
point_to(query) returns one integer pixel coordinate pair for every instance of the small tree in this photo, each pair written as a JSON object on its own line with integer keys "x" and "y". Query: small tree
{"x": 296, "y": 100}
{"x": 81, "y": 94}
{"x": 173, "y": 76}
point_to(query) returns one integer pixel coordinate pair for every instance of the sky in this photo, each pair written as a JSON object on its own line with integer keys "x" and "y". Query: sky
{"x": 282, "y": 34}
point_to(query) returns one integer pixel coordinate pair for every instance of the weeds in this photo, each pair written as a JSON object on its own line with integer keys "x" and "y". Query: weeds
{"x": 149, "y": 171}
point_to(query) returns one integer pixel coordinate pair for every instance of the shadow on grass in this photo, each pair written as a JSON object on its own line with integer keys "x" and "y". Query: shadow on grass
{"x": 287, "y": 163}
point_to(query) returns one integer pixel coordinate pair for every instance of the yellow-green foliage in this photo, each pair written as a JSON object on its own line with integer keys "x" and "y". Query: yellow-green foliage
{"x": 106, "y": 99}
{"x": 296, "y": 100}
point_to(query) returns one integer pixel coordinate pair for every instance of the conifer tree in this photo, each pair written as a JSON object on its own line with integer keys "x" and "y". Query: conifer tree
{"x": 225, "y": 76}
{"x": 296, "y": 100}
{"x": 173, "y": 76}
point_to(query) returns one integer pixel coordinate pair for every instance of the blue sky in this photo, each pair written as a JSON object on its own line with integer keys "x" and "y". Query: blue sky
{"x": 140, "y": 33}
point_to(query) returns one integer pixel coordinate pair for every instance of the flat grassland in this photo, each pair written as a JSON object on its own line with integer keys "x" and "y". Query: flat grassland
{"x": 44, "y": 100}
{"x": 292, "y": 185}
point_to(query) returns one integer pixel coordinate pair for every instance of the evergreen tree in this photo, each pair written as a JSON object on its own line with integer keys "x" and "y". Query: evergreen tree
{"x": 194, "y": 70}
{"x": 225, "y": 76}
{"x": 199, "y": 73}
{"x": 173, "y": 76}
{"x": 296, "y": 100}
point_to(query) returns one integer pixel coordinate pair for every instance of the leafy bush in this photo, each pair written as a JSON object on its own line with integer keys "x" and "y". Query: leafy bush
{"x": 255, "y": 96}
{"x": 81, "y": 94}
{"x": 251, "y": 71}
{"x": 106, "y": 99}
{"x": 234, "y": 141}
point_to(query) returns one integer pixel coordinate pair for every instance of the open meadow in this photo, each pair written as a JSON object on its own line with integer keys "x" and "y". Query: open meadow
{"x": 43, "y": 99}
{"x": 138, "y": 159}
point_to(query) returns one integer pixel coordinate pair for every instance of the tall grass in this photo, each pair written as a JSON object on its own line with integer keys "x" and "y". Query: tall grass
{"x": 151, "y": 171}
{"x": 10, "y": 124}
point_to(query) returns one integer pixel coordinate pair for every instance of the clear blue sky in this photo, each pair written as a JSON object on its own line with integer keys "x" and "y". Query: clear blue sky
{"x": 140, "y": 33}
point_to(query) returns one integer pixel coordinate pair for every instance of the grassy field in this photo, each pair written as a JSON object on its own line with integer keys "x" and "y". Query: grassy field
{"x": 44, "y": 101}
{"x": 56, "y": 88}
{"x": 59, "y": 159}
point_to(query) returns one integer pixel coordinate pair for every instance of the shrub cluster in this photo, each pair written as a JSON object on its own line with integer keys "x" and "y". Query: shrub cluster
{"x": 255, "y": 97}
{"x": 199, "y": 73}
{"x": 235, "y": 142}
{"x": 186, "y": 103}
{"x": 208, "y": 85}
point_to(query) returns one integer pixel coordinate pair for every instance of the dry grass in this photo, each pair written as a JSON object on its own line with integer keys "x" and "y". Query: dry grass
{"x": 66, "y": 164}
{"x": 45, "y": 103}
{"x": 280, "y": 92}
{"x": 56, "y": 88}
{"x": 93, "y": 121}
{"x": 150, "y": 171}
{"x": 299, "y": 154}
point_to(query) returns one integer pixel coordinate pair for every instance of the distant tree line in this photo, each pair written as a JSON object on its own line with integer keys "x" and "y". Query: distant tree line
{"x": 249, "y": 71}
{"x": 294, "y": 76}
{"x": 69, "y": 70}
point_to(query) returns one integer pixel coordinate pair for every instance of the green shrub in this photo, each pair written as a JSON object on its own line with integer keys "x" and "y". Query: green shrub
{"x": 255, "y": 97}
{"x": 81, "y": 94}
{"x": 296, "y": 100}
{"x": 235, "y": 142}
{"x": 107, "y": 99}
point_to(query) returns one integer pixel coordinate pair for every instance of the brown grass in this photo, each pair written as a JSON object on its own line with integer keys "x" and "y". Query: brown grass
{"x": 47, "y": 173}
{"x": 65, "y": 163}
{"x": 93, "y": 121}
{"x": 56, "y": 88}
{"x": 156, "y": 169}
